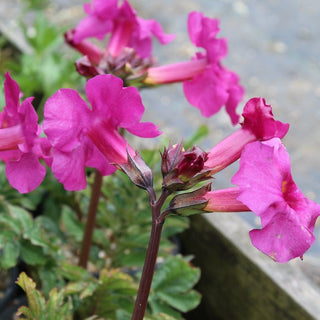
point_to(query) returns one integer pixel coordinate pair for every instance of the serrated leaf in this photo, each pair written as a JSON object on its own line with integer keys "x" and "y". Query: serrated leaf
{"x": 175, "y": 275}
{"x": 56, "y": 308}
{"x": 115, "y": 291}
{"x": 36, "y": 301}
{"x": 25, "y": 311}
{"x": 162, "y": 316}
{"x": 160, "y": 307}
{"x": 172, "y": 286}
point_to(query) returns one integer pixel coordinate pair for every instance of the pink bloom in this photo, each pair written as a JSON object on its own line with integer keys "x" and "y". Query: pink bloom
{"x": 20, "y": 145}
{"x": 99, "y": 21}
{"x": 125, "y": 27}
{"x": 82, "y": 136}
{"x": 207, "y": 84}
{"x": 267, "y": 188}
{"x": 258, "y": 124}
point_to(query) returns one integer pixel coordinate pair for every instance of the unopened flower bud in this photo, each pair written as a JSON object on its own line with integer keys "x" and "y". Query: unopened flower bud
{"x": 138, "y": 172}
{"x": 190, "y": 203}
{"x": 183, "y": 169}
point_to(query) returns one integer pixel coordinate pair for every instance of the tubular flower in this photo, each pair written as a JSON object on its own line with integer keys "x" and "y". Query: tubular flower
{"x": 82, "y": 136}
{"x": 20, "y": 145}
{"x": 267, "y": 188}
{"x": 258, "y": 124}
{"x": 207, "y": 84}
{"x": 126, "y": 29}
{"x": 224, "y": 200}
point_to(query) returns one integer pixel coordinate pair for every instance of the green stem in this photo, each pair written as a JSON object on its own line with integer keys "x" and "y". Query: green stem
{"x": 91, "y": 220}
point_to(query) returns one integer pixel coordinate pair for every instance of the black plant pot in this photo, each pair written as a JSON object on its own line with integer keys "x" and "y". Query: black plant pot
{"x": 13, "y": 297}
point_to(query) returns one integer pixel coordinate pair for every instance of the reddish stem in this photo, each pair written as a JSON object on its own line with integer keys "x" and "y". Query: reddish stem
{"x": 151, "y": 256}
{"x": 91, "y": 220}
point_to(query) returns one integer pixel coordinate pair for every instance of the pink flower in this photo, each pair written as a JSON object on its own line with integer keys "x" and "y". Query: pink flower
{"x": 82, "y": 136}
{"x": 125, "y": 27}
{"x": 20, "y": 145}
{"x": 207, "y": 84}
{"x": 258, "y": 124}
{"x": 99, "y": 21}
{"x": 267, "y": 188}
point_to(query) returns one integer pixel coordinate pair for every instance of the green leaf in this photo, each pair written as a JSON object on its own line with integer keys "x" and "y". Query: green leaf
{"x": 115, "y": 292}
{"x": 174, "y": 225}
{"x": 123, "y": 315}
{"x": 183, "y": 302}
{"x": 36, "y": 301}
{"x": 32, "y": 254}
{"x": 7, "y": 236}
{"x": 10, "y": 223}
{"x": 83, "y": 288}
{"x": 175, "y": 275}
{"x": 161, "y": 316}
{"x": 10, "y": 254}
{"x": 58, "y": 307}
{"x": 172, "y": 286}
{"x": 74, "y": 273}
{"x": 160, "y": 307}
{"x": 70, "y": 224}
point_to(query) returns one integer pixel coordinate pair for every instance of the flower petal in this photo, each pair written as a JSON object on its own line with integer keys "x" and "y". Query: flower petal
{"x": 258, "y": 118}
{"x": 26, "y": 174}
{"x": 284, "y": 237}
{"x": 66, "y": 115}
{"x": 69, "y": 168}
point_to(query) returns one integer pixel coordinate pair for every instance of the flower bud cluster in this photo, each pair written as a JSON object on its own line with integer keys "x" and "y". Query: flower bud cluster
{"x": 182, "y": 169}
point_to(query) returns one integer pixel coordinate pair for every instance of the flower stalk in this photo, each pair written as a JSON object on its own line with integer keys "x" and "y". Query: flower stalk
{"x": 91, "y": 220}
{"x": 158, "y": 219}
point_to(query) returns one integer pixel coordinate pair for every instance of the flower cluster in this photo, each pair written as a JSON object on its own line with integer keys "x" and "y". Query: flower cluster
{"x": 77, "y": 136}
{"x": 128, "y": 51}
{"x": 207, "y": 84}
{"x": 79, "y": 133}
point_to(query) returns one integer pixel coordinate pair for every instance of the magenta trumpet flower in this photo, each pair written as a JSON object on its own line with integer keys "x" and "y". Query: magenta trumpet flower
{"x": 267, "y": 188}
{"x": 126, "y": 29}
{"x": 20, "y": 145}
{"x": 88, "y": 136}
{"x": 207, "y": 84}
{"x": 258, "y": 124}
